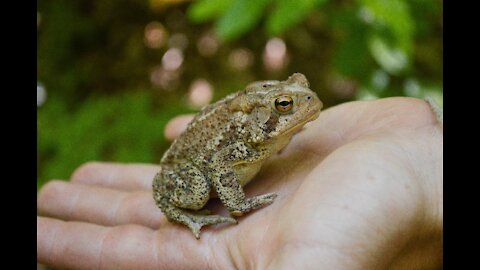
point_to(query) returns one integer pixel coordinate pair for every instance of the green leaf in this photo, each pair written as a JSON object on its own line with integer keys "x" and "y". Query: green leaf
{"x": 241, "y": 16}
{"x": 288, "y": 13}
{"x": 352, "y": 57}
{"x": 392, "y": 59}
{"x": 204, "y": 10}
{"x": 393, "y": 15}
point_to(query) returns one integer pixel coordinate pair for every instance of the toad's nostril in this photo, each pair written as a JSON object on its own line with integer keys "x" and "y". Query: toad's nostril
{"x": 309, "y": 97}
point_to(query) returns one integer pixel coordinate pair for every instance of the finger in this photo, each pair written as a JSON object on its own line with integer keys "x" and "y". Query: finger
{"x": 69, "y": 245}
{"x": 68, "y": 201}
{"x": 176, "y": 126}
{"x": 116, "y": 175}
{"x": 77, "y": 245}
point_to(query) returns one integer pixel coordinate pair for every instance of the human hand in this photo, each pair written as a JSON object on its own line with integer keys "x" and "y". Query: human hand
{"x": 360, "y": 188}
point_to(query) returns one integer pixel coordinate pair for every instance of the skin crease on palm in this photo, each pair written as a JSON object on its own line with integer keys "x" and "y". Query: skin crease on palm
{"x": 361, "y": 187}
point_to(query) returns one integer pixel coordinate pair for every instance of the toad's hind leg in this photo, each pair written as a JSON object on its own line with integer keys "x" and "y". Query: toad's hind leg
{"x": 193, "y": 221}
{"x": 181, "y": 187}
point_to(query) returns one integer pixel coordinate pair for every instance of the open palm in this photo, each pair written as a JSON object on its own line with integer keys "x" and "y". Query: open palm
{"x": 359, "y": 188}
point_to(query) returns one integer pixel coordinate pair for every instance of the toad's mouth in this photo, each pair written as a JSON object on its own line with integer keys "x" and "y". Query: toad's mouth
{"x": 300, "y": 125}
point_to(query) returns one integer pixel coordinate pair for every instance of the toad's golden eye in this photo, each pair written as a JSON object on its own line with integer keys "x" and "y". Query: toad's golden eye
{"x": 284, "y": 104}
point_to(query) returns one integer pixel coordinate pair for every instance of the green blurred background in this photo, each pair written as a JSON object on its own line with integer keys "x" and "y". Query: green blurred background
{"x": 112, "y": 73}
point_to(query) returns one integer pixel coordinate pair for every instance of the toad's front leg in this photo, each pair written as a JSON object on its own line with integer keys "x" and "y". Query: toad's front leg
{"x": 227, "y": 184}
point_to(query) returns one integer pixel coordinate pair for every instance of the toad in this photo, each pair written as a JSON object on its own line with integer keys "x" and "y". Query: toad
{"x": 224, "y": 147}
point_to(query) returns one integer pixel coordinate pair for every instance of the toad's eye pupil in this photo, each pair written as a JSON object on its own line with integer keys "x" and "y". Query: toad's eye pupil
{"x": 284, "y": 104}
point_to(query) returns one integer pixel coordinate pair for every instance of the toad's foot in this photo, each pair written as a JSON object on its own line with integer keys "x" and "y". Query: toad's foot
{"x": 196, "y": 222}
{"x": 253, "y": 203}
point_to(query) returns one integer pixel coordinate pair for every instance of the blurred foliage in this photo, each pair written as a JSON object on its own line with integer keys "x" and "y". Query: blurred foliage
{"x": 127, "y": 128}
{"x": 109, "y": 94}
{"x": 371, "y": 35}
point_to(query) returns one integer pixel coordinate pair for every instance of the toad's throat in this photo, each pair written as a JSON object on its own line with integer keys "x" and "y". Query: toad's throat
{"x": 299, "y": 125}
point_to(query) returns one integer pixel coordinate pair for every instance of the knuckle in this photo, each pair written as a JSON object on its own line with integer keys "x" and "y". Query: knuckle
{"x": 413, "y": 111}
{"x": 418, "y": 106}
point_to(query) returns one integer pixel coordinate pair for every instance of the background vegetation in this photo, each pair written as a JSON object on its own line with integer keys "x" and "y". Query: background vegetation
{"x": 112, "y": 73}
